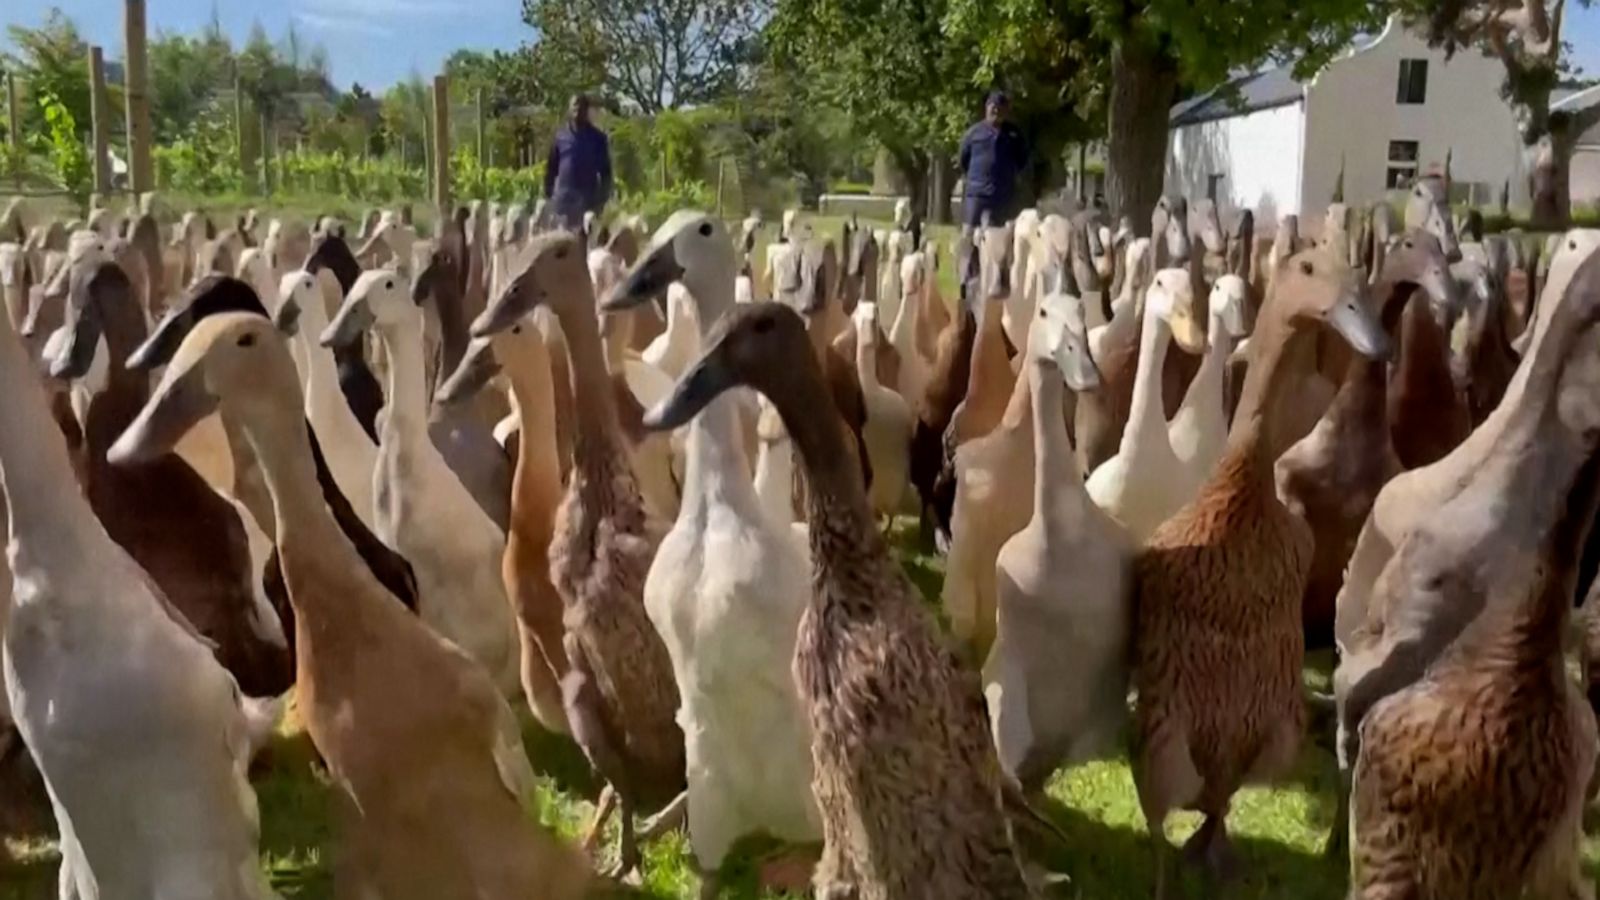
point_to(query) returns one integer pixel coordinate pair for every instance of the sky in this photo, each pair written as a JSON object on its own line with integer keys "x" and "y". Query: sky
{"x": 380, "y": 42}
{"x": 374, "y": 42}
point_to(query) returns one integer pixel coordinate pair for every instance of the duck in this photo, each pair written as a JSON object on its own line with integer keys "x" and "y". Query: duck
{"x": 1486, "y": 361}
{"x": 422, "y": 509}
{"x": 192, "y": 541}
{"x": 946, "y": 388}
{"x": 1218, "y": 649}
{"x": 1492, "y": 726}
{"x": 1067, "y": 576}
{"x": 887, "y": 431}
{"x": 1024, "y": 233}
{"x": 429, "y": 793}
{"x": 620, "y": 695}
{"x": 521, "y": 354}
{"x": 1100, "y": 417}
{"x": 886, "y": 834}
{"x": 811, "y": 292}
{"x": 774, "y": 476}
{"x": 726, "y": 592}
{"x": 914, "y": 369}
{"x": 1412, "y": 496}
{"x": 1428, "y": 414}
{"x": 991, "y": 378}
{"x": 673, "y": 350}
{"x": 858, "y": 276}
{"x": 360, "y": 387}
{"x": 1331, "y": 477}
{"x": 1200, "y": 429}
{"x": 1145, "y": 483}
{"x": 121, "y": 703}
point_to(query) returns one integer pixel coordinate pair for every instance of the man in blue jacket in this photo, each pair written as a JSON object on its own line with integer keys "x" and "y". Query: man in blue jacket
{"x": 993, "y": 154}
{"x": 577, "y": 175}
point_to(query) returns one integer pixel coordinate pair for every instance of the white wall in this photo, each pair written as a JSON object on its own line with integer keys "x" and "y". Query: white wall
{"x": 1257, "y": 153}
{"x": 1585, "y": 187}
{"x": 1351, "y": 113}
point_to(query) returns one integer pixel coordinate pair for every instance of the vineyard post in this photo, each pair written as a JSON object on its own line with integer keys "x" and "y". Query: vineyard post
{"x": 99, "y": 122}
{"x": 441, "y": 144}
{"x": 140, "y": 174}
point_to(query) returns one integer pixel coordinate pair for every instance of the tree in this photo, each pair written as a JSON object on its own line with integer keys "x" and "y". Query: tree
{"x": 185, "y": 73}
{"x": 650, "y": 55}
{"x": 1148, "y": 49}
{"x": 50, "y": 61}
{"x": 1525, "y": 35}
{"x": 890, "y": 69}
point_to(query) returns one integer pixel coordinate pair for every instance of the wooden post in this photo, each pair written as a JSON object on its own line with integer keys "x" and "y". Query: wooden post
{"x": 247, "y": 161}
{"x": 441, "y": 144}
{"x": 140, "y": 174}
{"x": 266, "y": 154}
{"x": 722, "y": 169}
{"x": 14, "y": 122}
{"x": 483, "y": 157}
{"x": 99, "y": 122}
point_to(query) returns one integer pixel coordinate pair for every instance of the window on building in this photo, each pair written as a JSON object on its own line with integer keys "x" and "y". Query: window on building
{"x": 1413, "y": 87}
{"x": 1403, "y": 157}
{"x": 1213, "y": 186}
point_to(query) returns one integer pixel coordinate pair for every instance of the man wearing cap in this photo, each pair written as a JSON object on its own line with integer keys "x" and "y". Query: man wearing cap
{"x": 993, "y": 154}
{"x": 577, "y": 175}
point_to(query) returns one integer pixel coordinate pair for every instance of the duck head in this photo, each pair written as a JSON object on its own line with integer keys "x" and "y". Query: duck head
{"x": 1418, "y": 257}
{"x": 378, "y": 298}
{"x": 550, "y": 266}
{"x": 1059, "y": 338}
{"x": 690, "y": 247}
{"x": 759, "y": 345}
{"x": 211, "y": 295}
{"x": 228, "y": 358}
{"x": 1226, "y": 304}
{"x": 1318, "y": 285}
{"x": 1171, "y": 297}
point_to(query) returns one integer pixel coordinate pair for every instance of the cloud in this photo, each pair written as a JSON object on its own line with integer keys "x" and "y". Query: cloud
{"x": 348, "y": 24}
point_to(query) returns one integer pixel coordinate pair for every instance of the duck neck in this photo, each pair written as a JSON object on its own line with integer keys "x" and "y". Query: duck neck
{"x": 596, "y": 441}
{"x": 866, "y": 355}
{"x": 282, "y": 445}
{"x": 842, "y": 525}
{"x": 1208, "y": 380}
{"x": 1279, "y": 356}
{"x": 42, "y": 494}
{"x": 537, "y": 480}
{"x": 322, "y": 372}
{"x": 1058, "y": 483}
{"x": 406, "y": 417}
{"x": 1146, "y": 415}
{"x": 715, "y": 470}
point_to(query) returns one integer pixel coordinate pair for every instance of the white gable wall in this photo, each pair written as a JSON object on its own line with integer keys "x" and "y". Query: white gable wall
{"x": 1258, "y": 154}
{"x": 1352, "y": 113}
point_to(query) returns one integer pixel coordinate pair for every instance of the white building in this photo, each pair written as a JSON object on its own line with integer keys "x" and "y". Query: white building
{"x": 1585, "y": 169}
{"x": 1384, "y": 111}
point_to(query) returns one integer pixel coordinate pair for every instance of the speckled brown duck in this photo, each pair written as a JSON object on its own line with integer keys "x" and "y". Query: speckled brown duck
{"x": 1331, "y": 477}
{"x": 620, "y": 696}
{"x": 1218, "y": 648}
{"x": 892, "y": 712}
{"x": 1470, "y": 782}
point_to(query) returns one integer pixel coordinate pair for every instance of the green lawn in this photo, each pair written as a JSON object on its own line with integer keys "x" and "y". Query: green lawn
{"x": 1279, "y": 830}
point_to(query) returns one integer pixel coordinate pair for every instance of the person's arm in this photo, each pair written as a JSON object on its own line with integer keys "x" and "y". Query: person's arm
{"x": 552, "y": 165}
{"x": 966, "y": 153}
{"x": 604, "y": 195}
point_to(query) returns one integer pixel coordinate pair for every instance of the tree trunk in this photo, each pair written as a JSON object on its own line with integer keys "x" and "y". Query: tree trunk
{"x": 939, "y": 187}
{"x": 1550, "y": 171}
{"x": 913, "y": 168}
{"x": 1143, "y": 82}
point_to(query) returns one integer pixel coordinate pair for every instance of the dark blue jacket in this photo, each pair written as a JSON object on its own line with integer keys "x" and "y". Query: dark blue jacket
{"x": 991, "y": 160}
{"x": 577, "y": 176}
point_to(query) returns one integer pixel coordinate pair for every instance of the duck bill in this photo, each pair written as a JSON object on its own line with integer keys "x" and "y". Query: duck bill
{"x": 287, "y": 318}
{"x": 1078, "y": 370}
{"x": 703, "y": 383}
{"x": 647, "y": 280}
{"x": 177, "y": 405}
{"x": 1357, "y": 325}
{"x": 472, "y": 374}
{"x": 75, "y": 344}
{"x": 348, "y": 326}
{"x": 163, "y": 343}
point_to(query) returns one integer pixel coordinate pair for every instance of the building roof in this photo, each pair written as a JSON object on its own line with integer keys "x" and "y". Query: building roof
{"x": 1248, "y": 93}
{"x": 1579, "y": 100}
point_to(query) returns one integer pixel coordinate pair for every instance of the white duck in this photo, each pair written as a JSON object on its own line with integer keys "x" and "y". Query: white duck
{"x": 915, "y": 368}
{"x": 1200, "y": 429}
{"x": 421, "y": 507}
{"x": 1024, "y": 295}
{"x": 887, "y": 432}
{"x": 726, "y": 592}
{"x": 1144, "y": 484}
{"x": 674, "y": 349}
{"x": 1056, "y": 678}
{"x": 351, "y": 455}
{"x": 137, "y": 730}
{"x": 774, "y": 479}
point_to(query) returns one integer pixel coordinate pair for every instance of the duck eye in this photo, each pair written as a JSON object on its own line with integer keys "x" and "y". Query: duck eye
{"x": 764, "y": 325}
{"x": 561, "y": 253}
{"x": 389, "y": 285}
{"x": 516, "y": 329}
{"x": 705, "y": 229}
{"x": 247, "y": 340}
{"x": 1306, "y": 267}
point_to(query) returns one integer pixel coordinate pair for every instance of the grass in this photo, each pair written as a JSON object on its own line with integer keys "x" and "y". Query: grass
{"x": 1279, "y": 830}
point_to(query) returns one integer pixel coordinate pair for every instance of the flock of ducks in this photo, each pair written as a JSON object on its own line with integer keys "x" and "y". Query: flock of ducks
{"x": 645, "y": 487}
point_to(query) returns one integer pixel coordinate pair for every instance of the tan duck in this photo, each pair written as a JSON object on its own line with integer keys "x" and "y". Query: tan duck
{"x": 430, "y": 790}
{"x": 1056, "y": 678}
{"x": 1495, "y": 731}
{"x": 521, "y": 355}
{"x": 1331, "y": 477}
{"x": 620, "y": 695}
{"x": 887, "y": 835}
{"x": 946, "y": 388}
{"x": 991, "y": 377}
{"x": 1218, "y": 650}
{"x": 1428, "y": 415}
